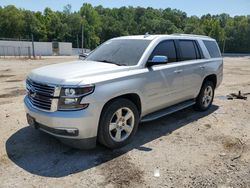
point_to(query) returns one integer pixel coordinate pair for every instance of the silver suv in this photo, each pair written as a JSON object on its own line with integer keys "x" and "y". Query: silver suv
{"x": 125, "y": 81}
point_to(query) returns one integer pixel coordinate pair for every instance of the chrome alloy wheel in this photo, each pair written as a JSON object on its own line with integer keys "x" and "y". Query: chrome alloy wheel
{"x": 121, "y": 124}
{"x": 207, "y": 97}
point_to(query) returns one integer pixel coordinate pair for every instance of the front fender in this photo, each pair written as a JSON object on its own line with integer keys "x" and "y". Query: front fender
{"x": 111, "y": 89}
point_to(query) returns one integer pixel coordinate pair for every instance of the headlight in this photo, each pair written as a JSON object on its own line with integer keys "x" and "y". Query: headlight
{"x": 69, "y": 92}
{"x": 70, "y": 98}
{"x": 77, "y": 92}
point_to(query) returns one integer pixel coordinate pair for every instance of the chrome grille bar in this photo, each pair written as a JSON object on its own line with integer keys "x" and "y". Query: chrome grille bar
{"x": 41, "y": 95}
{"x": 40, "y": 88}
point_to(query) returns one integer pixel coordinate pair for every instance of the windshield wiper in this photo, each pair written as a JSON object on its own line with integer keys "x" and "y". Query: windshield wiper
{"x": 111, "y": 62}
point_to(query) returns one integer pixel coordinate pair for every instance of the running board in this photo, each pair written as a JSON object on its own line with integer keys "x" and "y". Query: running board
{"x": 167, "y": 111}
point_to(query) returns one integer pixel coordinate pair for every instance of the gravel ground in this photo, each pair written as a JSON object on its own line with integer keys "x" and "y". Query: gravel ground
{"x": 185, "y": 149}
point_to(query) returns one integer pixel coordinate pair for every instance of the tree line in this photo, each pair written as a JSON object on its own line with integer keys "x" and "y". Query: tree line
{"x": 100, "y": 24}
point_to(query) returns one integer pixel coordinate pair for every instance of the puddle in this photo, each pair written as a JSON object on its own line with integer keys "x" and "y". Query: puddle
{"x": 221, "y": 97}
{"x": 233, "y": 96}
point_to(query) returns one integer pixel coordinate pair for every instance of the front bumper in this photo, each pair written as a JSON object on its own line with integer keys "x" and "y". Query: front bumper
{"x": 56, "y": 123}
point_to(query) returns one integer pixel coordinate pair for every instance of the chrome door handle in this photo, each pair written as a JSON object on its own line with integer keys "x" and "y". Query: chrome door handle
{"x": 202, "y": 67}
{"x": 178, "y": 71}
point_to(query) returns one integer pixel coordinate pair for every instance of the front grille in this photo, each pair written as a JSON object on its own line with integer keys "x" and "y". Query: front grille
{"x": 40, "y": 95}
{"x": 42, "y": 89}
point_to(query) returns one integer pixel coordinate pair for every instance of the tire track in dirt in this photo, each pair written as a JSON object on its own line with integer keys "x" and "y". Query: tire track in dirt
{"x": 6, "y": 75}
{"x": 16, "y": 80}
{"x": 13, "y": 93}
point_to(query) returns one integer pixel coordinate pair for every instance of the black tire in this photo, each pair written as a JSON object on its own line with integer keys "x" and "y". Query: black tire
{"x": 104, "y": 134}
{"x": 200, "y": 105}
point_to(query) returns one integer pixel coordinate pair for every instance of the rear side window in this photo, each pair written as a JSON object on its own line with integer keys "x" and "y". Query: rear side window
{"x": 165, "y": 48}
{"x": 189, "y": 50}
{"x": 212, "y": 48}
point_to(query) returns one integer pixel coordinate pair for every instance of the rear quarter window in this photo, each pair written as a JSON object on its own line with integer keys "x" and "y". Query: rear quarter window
{"x": 212, "y": 48}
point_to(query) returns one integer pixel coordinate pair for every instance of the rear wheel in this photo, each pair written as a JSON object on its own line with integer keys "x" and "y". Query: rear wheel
{"x": 118, "y": 123}
{"x": 205, "y": 97}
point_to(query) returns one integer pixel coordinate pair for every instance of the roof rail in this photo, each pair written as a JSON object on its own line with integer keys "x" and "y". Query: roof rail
{"x": 146, "y": 35}
{"x": 190, "y": 35}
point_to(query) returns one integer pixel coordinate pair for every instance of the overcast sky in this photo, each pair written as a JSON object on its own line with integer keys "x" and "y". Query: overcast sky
{"x": 191, "y": 7}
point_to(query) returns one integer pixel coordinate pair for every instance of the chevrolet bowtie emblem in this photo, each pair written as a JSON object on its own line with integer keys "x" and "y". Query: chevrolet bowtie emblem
{"x": 32, "y": 94}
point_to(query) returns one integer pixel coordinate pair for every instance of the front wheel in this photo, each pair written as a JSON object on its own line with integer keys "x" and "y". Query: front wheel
{"x": 118, "y": 123}
{"x": 205, "y": 97}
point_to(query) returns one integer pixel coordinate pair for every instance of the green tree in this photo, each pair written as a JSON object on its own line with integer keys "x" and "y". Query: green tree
{"x": 101, "y": 24}
{"x": 11, "y": 22}
{"x": 92, "y": 25}
{"x": 32, "y": 25}
{"x": 56, "y": 30}
{"x": 193, "y": 26}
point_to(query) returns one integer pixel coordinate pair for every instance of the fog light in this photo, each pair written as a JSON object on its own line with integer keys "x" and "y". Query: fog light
{"x": 71, "y": 131}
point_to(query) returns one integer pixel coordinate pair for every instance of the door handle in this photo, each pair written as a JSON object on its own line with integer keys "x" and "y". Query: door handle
{"x": 178, "y": 71}
{"x": 202, "y": 67}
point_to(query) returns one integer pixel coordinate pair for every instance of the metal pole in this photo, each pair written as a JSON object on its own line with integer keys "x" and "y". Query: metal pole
{"x": 33, "y": 47}
{"x": 77, "y": 44}
{"x": 14, "y": 50}
{"x": 19, "y": 51}
{"x": 82, "y": 37}
{"x": 29, "y": 52}
{"x": 3, "y": 53}
{"x": 224, "y": 44}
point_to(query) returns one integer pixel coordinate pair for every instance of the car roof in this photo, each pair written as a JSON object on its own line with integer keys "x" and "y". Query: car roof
{"x": 172, "y": 36}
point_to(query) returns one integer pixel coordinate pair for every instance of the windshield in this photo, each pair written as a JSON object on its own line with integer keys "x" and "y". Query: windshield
{"x": 120, "y": 51}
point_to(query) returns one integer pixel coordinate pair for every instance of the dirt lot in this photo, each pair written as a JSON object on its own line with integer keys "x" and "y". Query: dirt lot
{"x": 188, "y": 148}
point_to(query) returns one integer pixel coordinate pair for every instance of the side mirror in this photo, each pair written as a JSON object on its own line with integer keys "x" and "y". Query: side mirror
{"x": 158, "y": 60}
{"x": 83, "y": 56}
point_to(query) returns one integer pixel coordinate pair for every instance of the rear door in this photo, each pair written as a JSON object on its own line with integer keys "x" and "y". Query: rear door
{"x": 193, "y": 67}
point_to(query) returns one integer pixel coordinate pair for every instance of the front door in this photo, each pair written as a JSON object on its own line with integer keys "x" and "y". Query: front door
{"x": 164, "y": 83}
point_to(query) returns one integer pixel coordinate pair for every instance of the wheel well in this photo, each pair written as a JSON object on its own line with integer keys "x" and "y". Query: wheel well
{"x": 212, "y": 78}
{"x": 132, "y": 97}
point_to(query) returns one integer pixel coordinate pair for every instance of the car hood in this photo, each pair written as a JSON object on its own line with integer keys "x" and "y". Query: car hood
{"x": 72, "y": 73}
